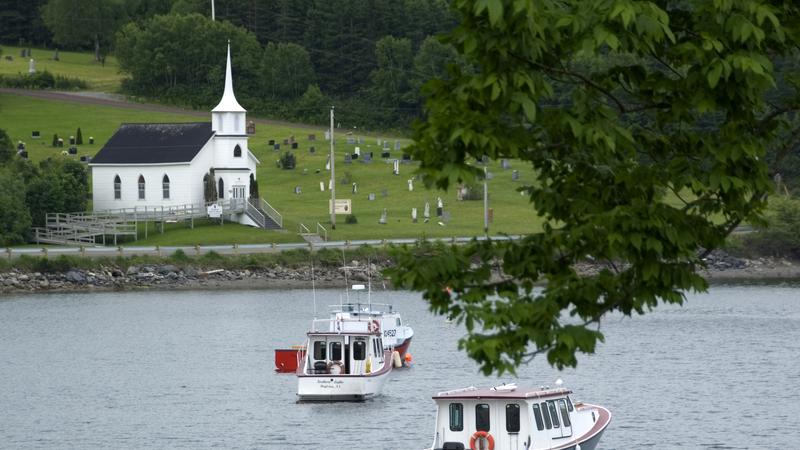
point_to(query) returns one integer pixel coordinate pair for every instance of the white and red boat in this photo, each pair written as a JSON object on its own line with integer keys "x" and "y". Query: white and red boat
{"x": 508, "y": 418}
{"x": 344, "y": 361}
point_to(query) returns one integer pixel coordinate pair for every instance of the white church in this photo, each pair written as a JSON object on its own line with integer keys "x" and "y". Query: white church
{"x": 147, "y": 165}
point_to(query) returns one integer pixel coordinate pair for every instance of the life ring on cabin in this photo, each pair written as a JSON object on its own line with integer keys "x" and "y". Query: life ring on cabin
{"x": 374, "y": 326}
{"x": 481, "y": 435}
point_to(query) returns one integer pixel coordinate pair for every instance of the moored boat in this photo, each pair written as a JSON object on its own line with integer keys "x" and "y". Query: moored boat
{"x": 344, "y": 361}
{"x": 508, "y": 418}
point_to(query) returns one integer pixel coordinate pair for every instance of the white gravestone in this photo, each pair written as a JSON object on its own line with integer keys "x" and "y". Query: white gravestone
{"x": 382, "y": 220}
{"x": 355, "y": 188}
{"x": 31, "y": 66}
{"x": 327, "y": 135}
{"x": 427, "y": 211}
{"x": 414, "y": 215}
{"x": 396, "y": 168}
{"x": 322, "y": 186}
{"x": 410, "y": 184}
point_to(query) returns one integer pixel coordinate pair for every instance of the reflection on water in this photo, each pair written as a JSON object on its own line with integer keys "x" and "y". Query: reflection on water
{"x": 195, "y": 370}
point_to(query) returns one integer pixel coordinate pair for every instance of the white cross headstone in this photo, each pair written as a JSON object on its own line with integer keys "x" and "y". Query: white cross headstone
{"x": 355, "y": 188}
{"x": 427, "y": 211}
{"x": 357, "y": 151}
{"x": 31, "y": 66}
{"x": 439, "y": 207}
{"x": 414, "y": 215}
{"x": 396, "y": 169}
{"x": 328, "y": 163}
{"x": 410, "y": 184}
{"x": 382, "y": 220}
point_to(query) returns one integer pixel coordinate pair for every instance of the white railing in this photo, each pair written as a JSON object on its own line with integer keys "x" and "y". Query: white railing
{"x": 324, "y": 234}
{"x": 255, "y": 214}
{"x": 272, "y": 213}
{"x": 302, "y": 229}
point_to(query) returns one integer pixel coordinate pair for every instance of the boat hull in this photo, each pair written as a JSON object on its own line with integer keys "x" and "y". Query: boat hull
{"x": 403, "y": 348}
{"x": 343, "y": 388}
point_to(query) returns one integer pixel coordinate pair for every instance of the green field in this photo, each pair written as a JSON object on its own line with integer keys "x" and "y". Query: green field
{"x": 512, "y": 214}
{"x": 101, "y": 77}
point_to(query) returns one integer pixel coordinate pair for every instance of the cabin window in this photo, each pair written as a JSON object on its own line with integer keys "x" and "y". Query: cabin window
{"x": 546, "y": 415}
{"x": 482, "y": 417}
{"x": 569, "y": 404}
{"x": 564, "y": 413}
{"x": 398, "y": 322}
{"x": 456, "y": 417}
{"x": 221, "y": 189}
{"x": 117, "y": 188}
{"x": 537, "y": 415}
{"x": 553, "y": 413}
{"x": 165, "y": 187}
{"x": 512, "y": 418}
{"x": 319, "y": 351}
{"x": 237, "y": 151}
{"x": 336, "y": 351}
{"x": 141, "y": 187}
{"x": 359, "y": 350}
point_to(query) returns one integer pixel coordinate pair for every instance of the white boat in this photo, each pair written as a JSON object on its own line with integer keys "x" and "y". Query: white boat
{"x": 396, "y": 334}
{"x": 344, "y": 361}
{"x": 508, "y": 418}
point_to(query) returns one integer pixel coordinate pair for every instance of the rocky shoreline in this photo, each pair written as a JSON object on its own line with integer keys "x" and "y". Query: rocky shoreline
{"x": 721, "y": 268}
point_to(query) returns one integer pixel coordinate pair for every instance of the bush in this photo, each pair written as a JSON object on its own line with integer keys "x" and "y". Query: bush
{"x": 42, "y": 80}
{"x": 288, "y": 161}
{"x": 473, "y": 191}
{"x": 781, "y": 237}
{"x": 351, "y": 219}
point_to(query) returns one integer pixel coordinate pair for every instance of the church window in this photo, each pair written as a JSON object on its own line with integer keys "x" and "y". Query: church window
{"x": 141, "y": 187}
{"x": 165, "y": 187}
{"x": 237, "y": 151}
{"x": 117, "y": 188}
{"x": 221, "y": 189}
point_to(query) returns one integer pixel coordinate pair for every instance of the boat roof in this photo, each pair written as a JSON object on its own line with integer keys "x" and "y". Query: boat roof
{"x": 341, "y": 333}
{"x": 502, "y": 392}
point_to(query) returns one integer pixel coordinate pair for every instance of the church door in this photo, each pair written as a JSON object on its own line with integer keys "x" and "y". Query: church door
{"x": 238, "y": 196}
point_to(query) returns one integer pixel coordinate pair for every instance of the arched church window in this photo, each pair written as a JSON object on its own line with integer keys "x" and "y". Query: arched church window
{"x": 221, "y": 189}
{"x": 237, "y": 151}
{"x": 141, "y": 187}
{"x": 117, "y": 187}
{"x": 165, "y": 187}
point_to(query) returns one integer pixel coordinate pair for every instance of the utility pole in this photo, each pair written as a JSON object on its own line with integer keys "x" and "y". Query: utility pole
{"x": 333, "y": 179}
{"x": 485, "y": 203}
{"x": 212, "y": 10}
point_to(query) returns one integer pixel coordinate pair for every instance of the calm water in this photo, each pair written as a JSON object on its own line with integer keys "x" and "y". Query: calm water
{"x": 195, "y": 370}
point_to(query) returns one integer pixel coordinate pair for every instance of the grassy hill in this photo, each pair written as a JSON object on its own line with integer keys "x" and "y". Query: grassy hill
{"x": 512, "y": 214}
{"x": 101, "y": 77}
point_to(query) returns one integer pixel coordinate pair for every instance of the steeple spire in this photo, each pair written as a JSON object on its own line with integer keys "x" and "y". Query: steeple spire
{"x": 228, "y": 102}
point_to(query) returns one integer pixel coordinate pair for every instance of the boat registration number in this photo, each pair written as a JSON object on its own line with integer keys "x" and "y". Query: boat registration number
{"x": 389, "y": 333}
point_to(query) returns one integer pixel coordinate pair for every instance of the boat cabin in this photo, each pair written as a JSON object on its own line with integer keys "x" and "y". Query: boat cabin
{"x": 343, "y": 347}
{"x": 505, "y": 418}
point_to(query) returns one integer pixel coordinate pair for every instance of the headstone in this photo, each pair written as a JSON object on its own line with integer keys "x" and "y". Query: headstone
{"x": 414, "y": 215}
{"x": 371, "y": 196}
{"x": 410, "y": 184}
{"x": 305, "y": 171}
{"x": 386, "y": 145}
{"x": 327, "y": 135}
{"x": 55, "y": 56}
{"x": 350, "y": 139}
{"x": 505, "y": 164}
{"x": 312, "y": 137}
{"x": 35, "y": 135}
{"x": 358, "y": 140}
{"x": 383, "y": 218}
{"x": 312, "y": 149}
{"x": 83, "y": 158}
{"x": 439, "y": 207}
{"x": 489, "y": 175}
{"x": 384, "y": 193}
{"x": 386, "y": 155}
{"x": 297, "y": 190}
{"x": 355, "y": 188}
{"x": 285, "y": 142}
{"x": 251, "y": 127}
{"x": 294, "y": 145}
{"x": 379, "y": 142}
{"x": 72, "y": 140}
{"x": 31, "y": 66}
{"x": 396, "y": 167}
{"x": 330, "y": 184}
{"x": 91, "y": 140}
{"x": 271, "y": 142}
{"x": 446, "y": 217}
{"x": 357, "y": 151}
{"x": 461, "y": 192}
{"x": 348, "y": 158}
{"x": 397, "y": 145}
{"x": 328, "y": 163}
{"x": 73, "y": 150}
{"x": 20, "y": 145}
{"x": 426, "y": 214}
{"x": 322, "y": 186}
{"x": 515, "y": 175}
{"x": 277, "y": 147}
{"x": 291, "y": 139}
{"x": 406, "y": 158}
{"x": 60, "y": 142}
{"x": 367, "y": 157}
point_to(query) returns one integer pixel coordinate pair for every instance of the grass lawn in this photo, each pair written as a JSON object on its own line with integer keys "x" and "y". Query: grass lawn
{"x": 512, "y": 213}
{"x": 101, "y": 77}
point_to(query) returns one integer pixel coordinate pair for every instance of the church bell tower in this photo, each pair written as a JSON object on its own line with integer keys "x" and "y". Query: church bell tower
{"x": 228, "y": 118}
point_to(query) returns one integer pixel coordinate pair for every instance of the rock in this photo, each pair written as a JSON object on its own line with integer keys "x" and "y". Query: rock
{"x": 132, "y": 270}
{"x": 172, "y": 275}
{"x": 190, "y": 272}
{"x": 24, "y": 278}
{"x": 166, "y": 269}
{"x": 73, "y": 276}
{"x": 116, "y": 273}
{"x": 145, "y": 276}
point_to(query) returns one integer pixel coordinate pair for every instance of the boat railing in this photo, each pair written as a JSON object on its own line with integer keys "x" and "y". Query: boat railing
{"x": 341, "y": 325}
{"x": 361, "y": 307}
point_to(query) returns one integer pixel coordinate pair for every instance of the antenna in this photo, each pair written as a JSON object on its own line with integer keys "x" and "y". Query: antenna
{"x": 369, "y": 283}
{"x": 346, "y": 283}
{"x": 313, "y": 288}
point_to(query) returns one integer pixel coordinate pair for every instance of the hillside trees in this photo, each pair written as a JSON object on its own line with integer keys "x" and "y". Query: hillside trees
{"x": 650, "y": 163}
{"x": 15, "y": 221}
{"x": 78, "y": 23}
{"x": 286, "y": 71}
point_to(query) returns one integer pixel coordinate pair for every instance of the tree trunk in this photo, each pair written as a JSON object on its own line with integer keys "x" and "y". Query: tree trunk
{"x": 97, "y": 47}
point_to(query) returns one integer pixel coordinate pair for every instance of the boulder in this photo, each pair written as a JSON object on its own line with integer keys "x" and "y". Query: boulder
{"x": 73, "y": 276}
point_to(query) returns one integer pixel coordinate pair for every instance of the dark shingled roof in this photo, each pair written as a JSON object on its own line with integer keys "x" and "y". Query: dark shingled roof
{"x": 153, "y": 143}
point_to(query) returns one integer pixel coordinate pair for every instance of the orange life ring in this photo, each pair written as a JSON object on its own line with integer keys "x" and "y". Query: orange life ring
{"x": 374, "y": 326}
{"x": 481, "y": 435}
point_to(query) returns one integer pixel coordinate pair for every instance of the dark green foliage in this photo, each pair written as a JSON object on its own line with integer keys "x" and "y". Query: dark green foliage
{"x": 210, "y": 187}
{"x": 42, "y": 80}
{"x": 7, "y": 150}
{"x": 253, "y": 186}
{"x": 351, "y": 219}
{"x": 15, "y": 221}
{"x": 78, "y": 137}
{"x": 55, "y": 140}
{"x": 286, "y": 71}
{"x": 84, "y": 23}
{"x": 22, "y": 23}
{"x": 781, "y": 237}
{"x": 288, "y": 161}
{"x": 59, "y": 186}
{"x": 644, "y": 163}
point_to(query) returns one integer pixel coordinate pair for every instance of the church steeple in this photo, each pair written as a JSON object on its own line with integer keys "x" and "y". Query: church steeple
{"x": 228, "y": 102}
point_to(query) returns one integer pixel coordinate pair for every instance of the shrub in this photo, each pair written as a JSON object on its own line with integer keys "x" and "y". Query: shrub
{"x": 42, "y": 80}
{"x": 351, "y": 219}
{"x": 288, "y": 161}
{"x": 781, "y": 237}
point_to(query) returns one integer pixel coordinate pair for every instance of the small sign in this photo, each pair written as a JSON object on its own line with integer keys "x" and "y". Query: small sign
{"x": 343, "y": 206}
{"x": 214, "y": 211}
